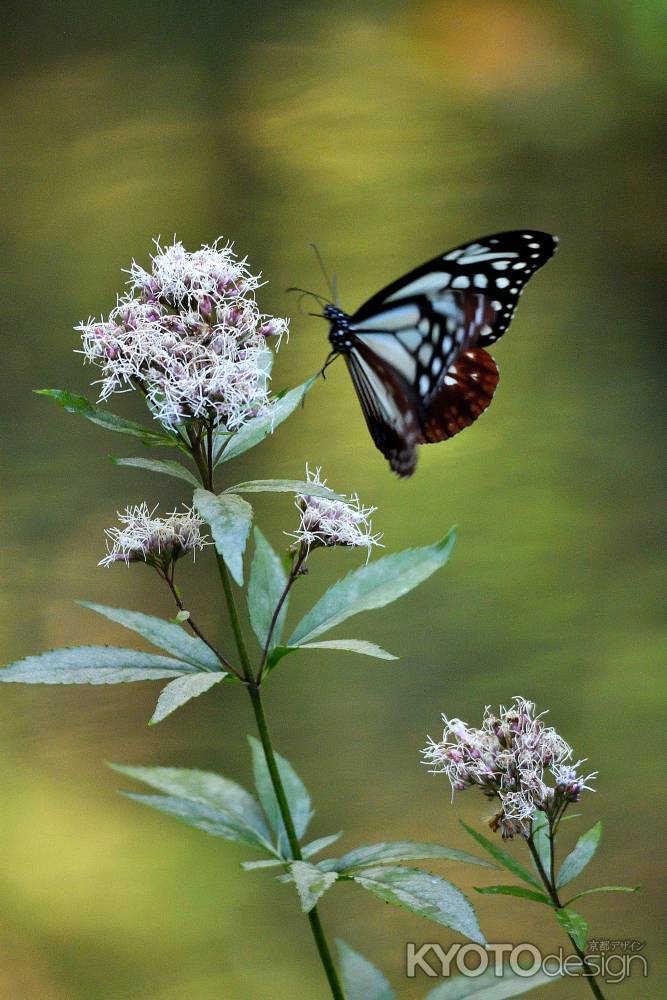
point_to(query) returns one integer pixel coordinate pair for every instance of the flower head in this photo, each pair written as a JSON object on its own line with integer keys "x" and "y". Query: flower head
{"x": 326, "y": 522}
{"x": 190, "y": 335}
{"x": 510, "y": 758}
{"x": 158, "y": 541}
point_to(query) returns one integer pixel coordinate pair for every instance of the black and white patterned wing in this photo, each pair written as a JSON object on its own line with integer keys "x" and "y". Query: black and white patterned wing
{"x": 496, "y": 267}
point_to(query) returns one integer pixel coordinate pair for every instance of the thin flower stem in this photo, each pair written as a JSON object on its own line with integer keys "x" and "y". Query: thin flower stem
{"x": 553, "y": 895}
{"x": 205, "y": 466}
{"x": 169, "y": 580}
{"x": 295, "y": 572}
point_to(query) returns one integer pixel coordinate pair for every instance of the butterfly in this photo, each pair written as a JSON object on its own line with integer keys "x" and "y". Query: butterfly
{"x": 416, "y": 351}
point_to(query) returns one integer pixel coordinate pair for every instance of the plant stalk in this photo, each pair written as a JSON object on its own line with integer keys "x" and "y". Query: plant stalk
{"x": 549, "y": 885}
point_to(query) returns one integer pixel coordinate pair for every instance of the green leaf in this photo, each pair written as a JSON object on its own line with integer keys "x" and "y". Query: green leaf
{"x": 424, "y": 894}
{"x": 256, "y": 430}
{"x": 514, "y": 890}
{"x": 345, "y": 645}
{"x": 604, "y": 888}
{"x": 489, "y": 986}
{"x": 266, "y": 586}
{"x": 162, "y": 634}
{"x": 230, "y": 518}
{"x": 311, "y": 883}
{"x": 542, "y": 841}
{"x": 361, "y": 980}
{"x": 372, "y": 586}
{"x": 575, "y": 925}
{"x": 228, "y": 804}
{"x": 216, "y": 822}
{"x": 182, "y": 690}
{"x": 93, "y": 665}
{"x": 400, "y": 850}
{"x": 501, "y": 856}
{"x": 285, "y": 486}
{"x": 579, "y": 857}
{"x": 168, "y": 468}
{"x": 73, "y": 403}
{"x": 298, "y": 798}
{"x": 315, "y": 846}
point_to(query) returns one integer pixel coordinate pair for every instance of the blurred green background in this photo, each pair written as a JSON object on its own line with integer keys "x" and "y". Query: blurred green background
{"x": 386, "y": 132}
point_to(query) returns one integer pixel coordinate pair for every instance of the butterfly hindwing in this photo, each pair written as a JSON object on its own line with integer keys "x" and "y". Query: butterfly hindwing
{"x": 464, "y": 395}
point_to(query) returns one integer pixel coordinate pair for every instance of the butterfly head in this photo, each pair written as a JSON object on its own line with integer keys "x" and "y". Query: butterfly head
{"x": 339, "y": 333}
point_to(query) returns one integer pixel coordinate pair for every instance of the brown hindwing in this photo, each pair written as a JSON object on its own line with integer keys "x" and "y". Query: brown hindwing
{"x": 473, "y": 379}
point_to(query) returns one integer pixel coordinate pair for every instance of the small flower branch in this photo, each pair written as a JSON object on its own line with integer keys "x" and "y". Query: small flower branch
{"x": 297, "y": 569}
{"x": 548, "y": 882}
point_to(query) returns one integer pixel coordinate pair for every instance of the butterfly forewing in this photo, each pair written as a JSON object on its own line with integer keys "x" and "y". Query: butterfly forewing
{"x": 415, "y": 349}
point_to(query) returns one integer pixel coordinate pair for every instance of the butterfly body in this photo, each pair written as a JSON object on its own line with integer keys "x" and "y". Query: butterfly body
{"x": 415, "y": 350}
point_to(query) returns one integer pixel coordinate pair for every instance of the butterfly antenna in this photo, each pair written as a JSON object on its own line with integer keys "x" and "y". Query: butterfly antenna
{"x": 318, "y": 298}
{"x": 330, "y": 285}
{"x": 334, "y": 289}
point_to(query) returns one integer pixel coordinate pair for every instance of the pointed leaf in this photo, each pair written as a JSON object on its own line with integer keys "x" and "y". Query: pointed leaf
{"x": 513, "y": 890}
{"x": 575, "y": 925}
{"x": 425, "y": 894}
{"x": 311, "y": 883}
{"x": 266, "y": 586}
{"x": 579, "y": 857}
{"x": 501, "y": 856}
{"x": 489, "y": 986}
{"x": 181, "y": 690}
{"x": 542, "y": 841}
{"x": 204, "y": 787}
{"x": 73, "y": 403}
{"x": 361, "y": 980}
{"x": 165, "y": 635}
{"x": 230, "y": 518}
{"x": 372, "y": 586}
{"x": 344, "y": 645}
{"x": 315, "y": 846}
{"x": 93, "y": 665}
{"x": 217, "y": 822}
{"x": 604, "y": 888}
{"x": 167, "y": 468}
{"x": 256, "y": 430}
{"x": 400, "y": 850}
{"x": 298, "y": 798}
{"x": 285, "y": 486}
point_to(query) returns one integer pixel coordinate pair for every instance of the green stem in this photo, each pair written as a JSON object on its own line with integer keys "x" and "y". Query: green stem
{"x": 553, "y": 895}
{"x": 276, "y": 781}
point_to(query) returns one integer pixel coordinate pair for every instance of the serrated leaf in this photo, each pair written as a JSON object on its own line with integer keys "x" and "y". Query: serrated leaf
{"x": 230, "y": 518}
{"x": 216, "y": 822}
{"x": 603, "y": 888}
{"x": 361, "y": 979}
{"x": 580, "y": 855}
{"x": 399, "y": 850}
{"x": 285, "y": 486}
{"x": 513, "y": 890}
{"x": 249, "y": 866}
{"x": 501, "y": 856}
{"x": 182, "y": 690}
{"x": 73, "y": 403}
{"x": 207, "y": 789}
{"x": 298, "y": 798}
{"x": 575, "y": 925}
{"x": 372, "y": 586}
{"x": 266, "y": 585}
{"x": 424, "y": 894}
{"x": 489, "y": 986}
{"x": 167, "y": 468}
{"x": 163, "y": 634}
{"x": 93, "y": 665}
{"x": 311, "y": 883}
{"x": 307, "y": 851}
{"x": 254, "y": 432}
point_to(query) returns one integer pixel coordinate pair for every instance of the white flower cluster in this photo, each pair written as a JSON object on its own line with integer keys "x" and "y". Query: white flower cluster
{"x": 158, "y": 541}
{"x": 190, "y": 336}
{"x": 326, "y": 522}
{"x": 510, "y": 757}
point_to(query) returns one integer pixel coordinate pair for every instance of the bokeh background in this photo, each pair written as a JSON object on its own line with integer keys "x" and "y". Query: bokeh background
{"x": 386, "y": 132}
